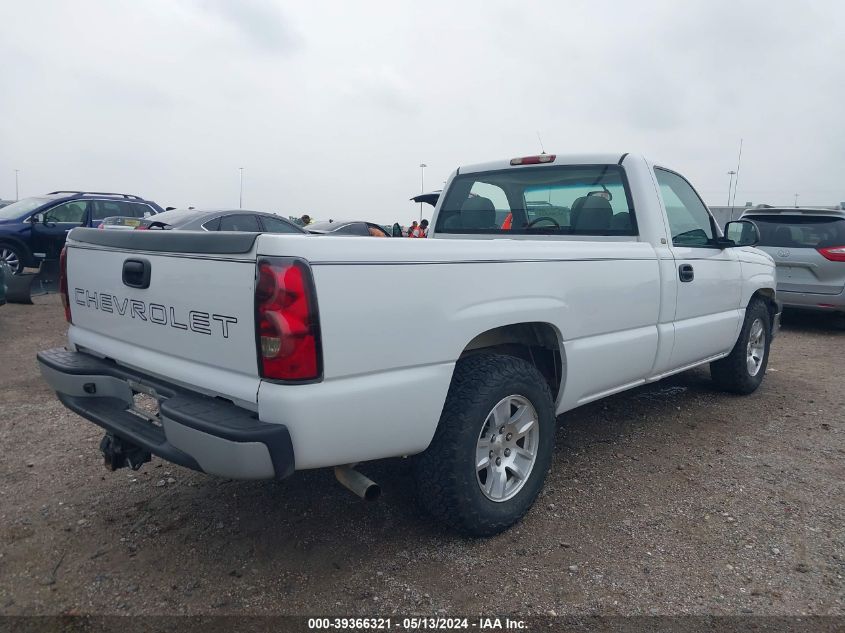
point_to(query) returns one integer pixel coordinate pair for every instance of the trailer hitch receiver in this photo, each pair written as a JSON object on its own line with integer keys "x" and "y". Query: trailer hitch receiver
{"x": 118, "y": 453}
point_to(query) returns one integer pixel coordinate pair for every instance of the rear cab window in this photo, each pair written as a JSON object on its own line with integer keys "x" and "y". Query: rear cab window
{"x": 546, "y": 200}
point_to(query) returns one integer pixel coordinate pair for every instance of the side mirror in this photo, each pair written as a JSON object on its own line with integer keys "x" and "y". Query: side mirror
{"x": 38, "y": 218}
{"x": 742, "y": 233}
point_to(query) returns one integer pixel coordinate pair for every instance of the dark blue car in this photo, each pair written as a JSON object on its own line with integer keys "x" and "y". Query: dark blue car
{"x": 35, "y": 229}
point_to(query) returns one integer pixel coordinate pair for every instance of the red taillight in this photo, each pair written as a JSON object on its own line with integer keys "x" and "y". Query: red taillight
{"x": 833, "y": 253}
{"x": 287, "y": 327}
{"x": 534, "y": 160}
{"x": 63, "y": 284}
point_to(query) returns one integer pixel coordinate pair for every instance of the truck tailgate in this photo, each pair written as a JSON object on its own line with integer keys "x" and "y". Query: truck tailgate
{"x": 180, "y": 305}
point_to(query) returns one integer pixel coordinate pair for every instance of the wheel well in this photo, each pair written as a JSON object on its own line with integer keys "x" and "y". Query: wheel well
{"x": 767, "y": 295}
{"x": 537, "y": 343}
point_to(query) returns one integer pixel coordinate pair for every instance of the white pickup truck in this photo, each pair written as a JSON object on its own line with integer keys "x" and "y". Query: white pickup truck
{"x": 548, "y": 282}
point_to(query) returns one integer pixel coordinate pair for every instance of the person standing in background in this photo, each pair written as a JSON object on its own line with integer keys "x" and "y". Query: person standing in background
{"x": 421, "y": 230}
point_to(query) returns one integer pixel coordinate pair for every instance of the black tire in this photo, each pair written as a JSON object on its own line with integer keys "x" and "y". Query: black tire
{"x": 448, "y": 485}
{"x": 13, "y": 253}
{"x": 732, "y": 373}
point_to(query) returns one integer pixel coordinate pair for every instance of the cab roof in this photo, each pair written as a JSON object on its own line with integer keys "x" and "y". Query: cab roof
{"x": 559, "y": 159}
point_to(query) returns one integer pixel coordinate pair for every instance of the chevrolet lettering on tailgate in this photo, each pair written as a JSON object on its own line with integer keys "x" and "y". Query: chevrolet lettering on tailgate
{"x": 193, "y": 320}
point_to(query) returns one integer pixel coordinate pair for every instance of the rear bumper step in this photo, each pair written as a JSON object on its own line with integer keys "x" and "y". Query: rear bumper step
{"x": 203, "y": 433}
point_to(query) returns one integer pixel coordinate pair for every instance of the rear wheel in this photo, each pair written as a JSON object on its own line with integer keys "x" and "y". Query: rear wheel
{"x": 492, "y": 448}
{"x": 743, "y": 369}
{"x": 13, "y": 257}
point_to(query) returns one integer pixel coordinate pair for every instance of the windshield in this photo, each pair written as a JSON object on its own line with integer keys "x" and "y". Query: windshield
{"x": 21, "y": 207}
{"x": 799, "y": 231}
{"x": 554, "y": 200}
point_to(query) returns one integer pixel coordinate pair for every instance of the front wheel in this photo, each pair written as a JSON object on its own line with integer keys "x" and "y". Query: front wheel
{"x": 743, "y": 369}
{"x": 492, "y": 448}
{"x": 13, "y": 257}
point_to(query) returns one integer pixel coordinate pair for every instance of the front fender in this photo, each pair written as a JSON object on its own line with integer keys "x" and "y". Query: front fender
{"x": 759, "y": 273}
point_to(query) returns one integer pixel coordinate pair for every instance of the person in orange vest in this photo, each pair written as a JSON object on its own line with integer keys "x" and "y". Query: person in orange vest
{"x": 412, "y": 228}
{"x": 506, "y": 225}
{"x": 421, "y": 230}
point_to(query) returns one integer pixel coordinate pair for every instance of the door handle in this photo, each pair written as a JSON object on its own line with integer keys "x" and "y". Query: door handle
{"x": 136, "y": 273}
{"x": 686, "y": 272}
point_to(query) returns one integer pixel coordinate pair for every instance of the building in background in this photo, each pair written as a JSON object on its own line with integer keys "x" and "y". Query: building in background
{"x": 723, "y": 215}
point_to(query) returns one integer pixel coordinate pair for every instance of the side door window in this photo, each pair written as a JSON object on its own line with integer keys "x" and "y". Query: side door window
{"x": 102, "y": 209}
{"x": 278, "y": 225}
{"x": 212, "y": 225}
{"x": 689, "y": 219}
{"x": 137, "y": 210}
{"x": 242, "y": 222}
{"x": 48, "y": 238}
{"x": 67, "y": 213}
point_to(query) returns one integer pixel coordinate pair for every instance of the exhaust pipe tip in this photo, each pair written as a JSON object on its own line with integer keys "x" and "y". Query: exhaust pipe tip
{"x": 373, "y": 492}
{"x": 357, "y": 482}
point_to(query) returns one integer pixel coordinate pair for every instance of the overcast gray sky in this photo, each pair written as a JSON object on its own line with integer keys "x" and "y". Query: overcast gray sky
{"x": 330, "y": 107}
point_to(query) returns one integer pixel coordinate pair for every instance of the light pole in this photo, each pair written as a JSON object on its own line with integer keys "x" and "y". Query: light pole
{"x": 17, "y": 194}
{"x": 241, "y": 194}
{"x": 732, "y": 173}
{"x": 796, "y": 200}
{"x": 422, "y": 184}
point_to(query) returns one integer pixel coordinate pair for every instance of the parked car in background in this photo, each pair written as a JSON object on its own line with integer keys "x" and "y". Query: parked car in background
{"x": 120, "y": 223}
{"x": 347, "y": 227}
{"x": 428, "y": 198}
{"x": 5, "y": 272}
{"x": 220, "y": 220}
{"x": 34, "y": 229}
{"x": 808, "y": 246}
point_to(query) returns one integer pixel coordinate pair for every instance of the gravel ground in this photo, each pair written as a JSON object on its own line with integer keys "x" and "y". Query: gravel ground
{"x": 669, "y": 499}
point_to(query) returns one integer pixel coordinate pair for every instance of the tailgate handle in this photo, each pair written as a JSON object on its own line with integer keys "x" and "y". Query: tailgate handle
{"x": 136, "y": 273}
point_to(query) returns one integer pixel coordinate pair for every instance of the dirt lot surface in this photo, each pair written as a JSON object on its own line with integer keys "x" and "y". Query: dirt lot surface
{"x": 669, "y": 499}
